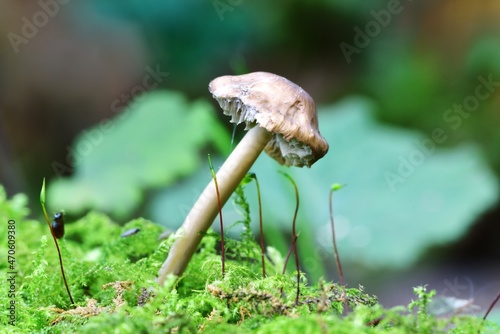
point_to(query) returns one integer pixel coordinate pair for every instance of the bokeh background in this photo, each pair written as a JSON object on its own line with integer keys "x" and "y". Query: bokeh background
{"x": 108, "y": 100}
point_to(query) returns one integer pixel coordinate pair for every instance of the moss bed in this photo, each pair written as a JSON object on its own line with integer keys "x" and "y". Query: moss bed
{"x": 112, "y": 280}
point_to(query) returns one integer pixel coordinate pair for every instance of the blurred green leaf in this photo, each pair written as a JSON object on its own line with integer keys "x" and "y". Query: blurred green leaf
{"x": 483, "y": 56}
{"x": 396, "y": 81}
{"x": 377, "y": 224}
{"x": 152, "y": 143}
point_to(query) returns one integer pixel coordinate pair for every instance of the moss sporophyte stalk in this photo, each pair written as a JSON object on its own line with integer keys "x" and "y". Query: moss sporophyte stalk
{"x": 57, "y": 232}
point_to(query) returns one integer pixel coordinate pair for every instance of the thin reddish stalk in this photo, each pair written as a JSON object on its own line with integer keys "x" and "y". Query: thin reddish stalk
{"x": 335, "y": 250}
{"x": 294, "y": 236}
{"x": 491, "y": 306}
{"x": 261, "y": 232}
{"x": 290, "y": 249}
{"x": 219, "y": 203}
{"x": 42, "y": 202}
{"x": 489, "y": 310}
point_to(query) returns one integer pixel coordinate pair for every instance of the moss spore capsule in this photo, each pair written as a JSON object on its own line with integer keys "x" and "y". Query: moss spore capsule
{"x": 58, "y": 225}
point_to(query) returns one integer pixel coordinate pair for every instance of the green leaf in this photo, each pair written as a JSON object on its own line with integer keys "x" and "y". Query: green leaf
{"x": 152, "y": 143}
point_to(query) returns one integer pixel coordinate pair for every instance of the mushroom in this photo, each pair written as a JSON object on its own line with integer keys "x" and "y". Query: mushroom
{"x": 281, "y": 118}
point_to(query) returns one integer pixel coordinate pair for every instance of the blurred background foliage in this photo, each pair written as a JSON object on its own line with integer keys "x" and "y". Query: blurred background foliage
{"x": 91, "y": 63}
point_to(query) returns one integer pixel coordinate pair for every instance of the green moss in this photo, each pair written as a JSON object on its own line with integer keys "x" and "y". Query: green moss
{"x": 112, "y": 280}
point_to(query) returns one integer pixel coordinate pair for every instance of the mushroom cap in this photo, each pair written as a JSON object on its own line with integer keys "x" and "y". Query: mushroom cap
{"x": 277, "y": 105}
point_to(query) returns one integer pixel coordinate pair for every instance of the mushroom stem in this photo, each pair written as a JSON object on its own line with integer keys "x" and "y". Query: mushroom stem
{"x": 204, "y": 211}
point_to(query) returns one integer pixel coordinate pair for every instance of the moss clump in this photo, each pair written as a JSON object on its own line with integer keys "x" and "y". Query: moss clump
{"x": 112, "y": 279}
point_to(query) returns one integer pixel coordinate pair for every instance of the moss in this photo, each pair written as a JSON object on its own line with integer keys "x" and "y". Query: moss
{"x": 112, "y": 280}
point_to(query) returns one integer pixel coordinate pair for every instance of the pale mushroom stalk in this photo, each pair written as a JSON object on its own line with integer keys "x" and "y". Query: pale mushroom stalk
{"x": 282, "y": 120}
{"x": 205, "y": 209}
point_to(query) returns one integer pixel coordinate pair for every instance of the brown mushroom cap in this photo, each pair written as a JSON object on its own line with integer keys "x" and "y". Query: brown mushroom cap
{"x": 277, "y": 105}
